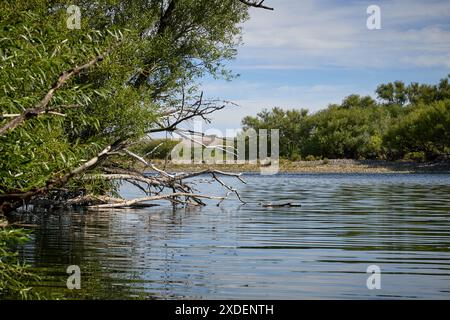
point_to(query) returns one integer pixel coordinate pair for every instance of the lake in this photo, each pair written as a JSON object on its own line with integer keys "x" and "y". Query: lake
{"x": 347, "y": 222}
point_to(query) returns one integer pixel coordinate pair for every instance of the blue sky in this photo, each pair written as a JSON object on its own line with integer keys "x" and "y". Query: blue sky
{"x": 311, "y": 53}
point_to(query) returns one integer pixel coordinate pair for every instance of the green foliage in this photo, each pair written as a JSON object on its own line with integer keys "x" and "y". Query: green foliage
{"x": 411, "y": 121}
{"x": 155, "y": 149}
{"x": 15, "y": 277}
{"x": 415, "y": 156}
{"x": 342, "y": 133}
{"x": 295, "y": 157}
{"x": 293, "y": 124}
{"x": 356, "y": 101}
{"x": 400, "y": 94}
{"x": 152, "y": 59}
{"x": 424, "y": 129}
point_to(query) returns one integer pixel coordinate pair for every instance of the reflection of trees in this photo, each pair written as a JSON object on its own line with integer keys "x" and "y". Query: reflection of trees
{"x": 165, "y": 253}
{"x": 121, "y": 253}
{"x": 74, "y": 238}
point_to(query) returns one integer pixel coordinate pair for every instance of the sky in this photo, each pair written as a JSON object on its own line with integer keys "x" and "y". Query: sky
{"x": 310, "y": 53}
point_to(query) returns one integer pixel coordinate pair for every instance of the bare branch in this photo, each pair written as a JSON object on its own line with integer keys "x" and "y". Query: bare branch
{"x": 228, "y": 187}
{"x": 153, "y": 150}
{"x": 179, "y": 132}
{"x": 256, "y": 4}
{"x": 183, "y": 176}
{"x": 154, "y": 198}
{"x": 92, "y": 199}
{"x": 147, "y": 164}
{"x": 199, "y": 109}
{"x": 131, "y": 177}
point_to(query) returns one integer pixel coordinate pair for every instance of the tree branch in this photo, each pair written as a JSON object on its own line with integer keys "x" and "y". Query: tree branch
{"x": 12, "y": 201}
{"x": 199, "y": 108}
{"x": 154, "y": 198}
{"x": 256, "y": 4}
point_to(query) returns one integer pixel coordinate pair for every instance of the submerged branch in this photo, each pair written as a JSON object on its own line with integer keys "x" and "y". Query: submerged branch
{"x": 171, "y": 197}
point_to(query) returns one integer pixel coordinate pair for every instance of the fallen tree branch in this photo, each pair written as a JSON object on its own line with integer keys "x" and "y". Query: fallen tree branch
{"x": 221, "y": 148}
{"x": 134, "y": 177}
{"x": 152, "y": 186}
{"x": 154, "y": 198}
{"x": 183, "y": 176}
{"x": 228, "y": 187}
{"x": 12, "y": 201}
{"x": 148, "y": 164}
{"x": 92, "y": 198}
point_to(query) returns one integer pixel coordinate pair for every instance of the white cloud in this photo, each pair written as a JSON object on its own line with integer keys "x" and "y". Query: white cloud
{"x": 429, "y": 60}
{"x": 299, "y": 34}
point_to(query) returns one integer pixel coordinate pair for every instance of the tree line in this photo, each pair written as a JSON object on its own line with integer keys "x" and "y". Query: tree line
{"x": 404, "y": 122}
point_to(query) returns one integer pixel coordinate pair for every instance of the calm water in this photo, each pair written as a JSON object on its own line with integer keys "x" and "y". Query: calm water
{"x": 322, "y": 250}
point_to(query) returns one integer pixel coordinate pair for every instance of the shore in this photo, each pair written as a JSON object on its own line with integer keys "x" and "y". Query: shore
{"x": 320, "y": 166}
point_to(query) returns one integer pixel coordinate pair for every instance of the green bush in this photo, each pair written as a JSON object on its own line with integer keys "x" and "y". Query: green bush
{"x": 424, "y": 129}
{"x": 296, "y": 157}
{"x": 310, "y": 158}
{"x": 15, "y": 277}
{"x": 409, "y": 118}
{"x": 415, "y": 156}
{"x": 156, "y": 149}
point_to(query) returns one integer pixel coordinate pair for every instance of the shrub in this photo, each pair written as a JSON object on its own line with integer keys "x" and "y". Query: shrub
{"x": 415, "y": 156}
{"x": 156, "y": 149}
{"x": 296, "y": 157}
{"x": 310, "y": 158}
{"x": 15, "y": 277}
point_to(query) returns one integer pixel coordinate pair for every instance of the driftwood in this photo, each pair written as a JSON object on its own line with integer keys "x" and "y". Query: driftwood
{"x": 156, "y": 185}
{"x": 128, "y": 203}
{"x": 281, "y": 205}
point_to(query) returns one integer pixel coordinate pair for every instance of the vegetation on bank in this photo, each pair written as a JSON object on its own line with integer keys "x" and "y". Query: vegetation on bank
{"x": 409, "y": 122}
{"x": 15, "y": 277}
{"x": 74, "y": 103}
{"x": 155, "y": 148}
{"x": 73, "y": 100}
{"x": 317, "y": 166}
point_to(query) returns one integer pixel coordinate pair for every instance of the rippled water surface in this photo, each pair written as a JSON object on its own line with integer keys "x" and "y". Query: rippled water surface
{"x": 398, "y": 222}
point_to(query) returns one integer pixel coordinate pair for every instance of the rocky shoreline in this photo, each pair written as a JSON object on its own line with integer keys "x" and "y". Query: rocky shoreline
{"x": 321, "y": 166}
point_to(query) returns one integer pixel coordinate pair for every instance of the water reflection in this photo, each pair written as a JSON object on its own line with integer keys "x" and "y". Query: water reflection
{"x": 321, "y": 250}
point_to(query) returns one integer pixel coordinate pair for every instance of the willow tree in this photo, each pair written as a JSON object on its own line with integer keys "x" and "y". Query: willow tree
{"x": 73, "y": 100}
